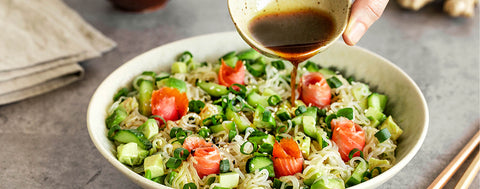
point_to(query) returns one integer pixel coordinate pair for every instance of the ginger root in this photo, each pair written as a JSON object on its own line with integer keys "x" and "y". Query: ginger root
{"x": 455, "y": 8}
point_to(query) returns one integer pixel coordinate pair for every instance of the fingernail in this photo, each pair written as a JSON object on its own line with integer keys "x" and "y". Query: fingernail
{"x": 356, "y": 32}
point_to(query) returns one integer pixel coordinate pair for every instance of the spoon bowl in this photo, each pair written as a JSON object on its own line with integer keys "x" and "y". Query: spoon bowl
{"x": 243, "y": 11}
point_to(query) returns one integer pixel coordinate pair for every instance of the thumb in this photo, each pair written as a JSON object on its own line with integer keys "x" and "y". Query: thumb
{"x": 364, "y": 14}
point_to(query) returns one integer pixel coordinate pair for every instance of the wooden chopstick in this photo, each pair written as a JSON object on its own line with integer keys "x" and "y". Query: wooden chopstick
{"x": 469, "y": 174}
{"x": 447, "y": 173}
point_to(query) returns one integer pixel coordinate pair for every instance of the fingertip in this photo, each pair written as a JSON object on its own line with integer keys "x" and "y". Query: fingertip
{"x": 347, "y": 40}
{"x": 354, "y": 32}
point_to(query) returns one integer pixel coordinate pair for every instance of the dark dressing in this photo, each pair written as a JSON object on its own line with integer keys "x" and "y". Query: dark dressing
{"x": 294, "y": 36}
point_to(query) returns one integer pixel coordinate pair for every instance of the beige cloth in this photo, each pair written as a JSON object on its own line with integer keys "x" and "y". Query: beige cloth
{"x": 41, "y": 43}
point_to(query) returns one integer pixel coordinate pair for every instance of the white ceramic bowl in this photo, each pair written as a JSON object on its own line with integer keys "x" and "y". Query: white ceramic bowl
{"x": 406, "y": 101}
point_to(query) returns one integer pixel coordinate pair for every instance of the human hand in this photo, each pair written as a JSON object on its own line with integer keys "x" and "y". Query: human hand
{"x": 364, "y": 14}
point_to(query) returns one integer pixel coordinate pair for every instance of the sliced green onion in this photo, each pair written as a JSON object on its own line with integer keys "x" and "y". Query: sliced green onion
{"x": 171, "y": 176}
{"x": 334, "y": 82}
{"x": 278, "y": 64}
{"x": 255, "y": 147}
{"x": 383, "y": 135}
{"x": 274, "y": 100}
{"x": 265, "y": 148}
{"x": 196, "y": 106}
{"x": 324, "y": 143}
{"x": 345, "y": 112}
{"x": 321, "y": 112}
{"x": 231, "y": 134}
{"x": 173, "y": 163}
{"x": 148, "y": 174}
{"x": 160, "y": 179}
{"x": 203, "y": 64}
{"x": 159, "y": 117}
{"x": 300, "y": 110}
{"x": 283, "y": 115}
{"x": 174, "y": 131}
{"x": 112, "y": 131}
{"x": 311, "y": 66}
{"x": 350, "y": 79}
{"x": 224, "y": 166}
{"x": 122, "y": 92}
{"x": 211, "y": 180}
{"x": 379, "y": 170}
{"x": 256, "y": 68}
{"x": 267, "y": 116}
{"x": 213, "y": 120}
{"x": 281, "y": 129}
{"x": 181, "y": 153}
{"x": 162, "y": 75}
{"x": 149, "y": 73}
{"x": 190, "y": 185}
{"x": 181, "y": 136}
{"x": 277, "y": 184}
{"x": 258, "y": 133}
{"x": 185, "y": 56}
{"x": 355, "y": 150}
{"x": 242, "y": 90}
{"x": 222, "y": 101}
{"x": 204, "y": 132}
{"x": 278, "y": 138}
{"x": 329, "y": 118}
{"x": 371, "y": 173}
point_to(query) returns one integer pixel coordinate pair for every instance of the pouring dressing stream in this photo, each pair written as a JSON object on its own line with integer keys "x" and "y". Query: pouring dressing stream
{"x": 291, "y": 30}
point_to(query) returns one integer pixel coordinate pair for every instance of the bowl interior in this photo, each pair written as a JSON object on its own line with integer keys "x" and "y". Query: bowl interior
{"x": 243, "y": 11}
{"x": 406, "y": 102}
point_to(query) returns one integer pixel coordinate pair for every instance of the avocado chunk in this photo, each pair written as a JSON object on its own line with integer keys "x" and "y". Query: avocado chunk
{"x": 361, "y": 92}
{"x": 179, "y": 67}
{"x": 229, "y": 180}
{"x": 116, "y": 117}
{"x": 375, "y": 116}
{"x": 131, "y": 154}
{"x": 304, "y": 144}
{"x": 155, "y": 164}
{"x": 309, "y": 181}
{"x": 173, "y": 83}
{"x": 331, "y": 183}
{"x": 374, "y": 162}
{"x": 392, "y": 127}
{"x": 149, "y": 128}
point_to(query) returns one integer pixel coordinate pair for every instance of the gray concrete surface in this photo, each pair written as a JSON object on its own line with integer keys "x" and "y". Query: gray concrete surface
{"x": 44, "y": 141}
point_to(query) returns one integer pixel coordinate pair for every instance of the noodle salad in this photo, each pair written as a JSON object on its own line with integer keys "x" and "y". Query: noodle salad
{"x": 229, "y": 124}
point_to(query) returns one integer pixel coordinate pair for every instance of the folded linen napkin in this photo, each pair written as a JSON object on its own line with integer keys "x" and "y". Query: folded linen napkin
{"x": 41, "y": 43}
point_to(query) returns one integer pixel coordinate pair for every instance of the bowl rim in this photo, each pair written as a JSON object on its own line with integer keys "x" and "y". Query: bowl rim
{"x": 378, "y": 180}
